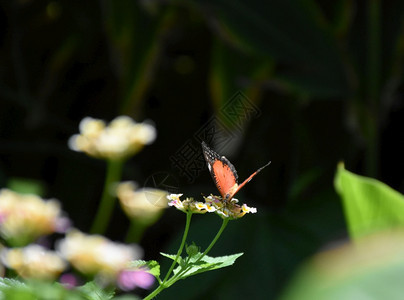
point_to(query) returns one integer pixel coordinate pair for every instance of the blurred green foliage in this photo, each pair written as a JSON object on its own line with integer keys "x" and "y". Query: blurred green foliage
{"x": 14, "y": 289}
{"x": 372, "y": 266}
{"x": 325, "y": 75}
{"x": 370, "y": 270}
{"x": 26, "y": 186}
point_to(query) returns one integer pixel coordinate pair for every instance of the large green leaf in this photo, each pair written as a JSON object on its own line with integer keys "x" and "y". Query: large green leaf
{"x": 369, "y": 204}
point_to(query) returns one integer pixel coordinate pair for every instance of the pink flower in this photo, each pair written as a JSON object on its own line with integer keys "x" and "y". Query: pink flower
{"x": 130, "y": 279}
{"x": 68, "y": 280}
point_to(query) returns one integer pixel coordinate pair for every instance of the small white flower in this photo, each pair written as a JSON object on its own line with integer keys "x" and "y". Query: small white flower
{"x": 200, "y": 205}
{"x": 247, "y": 209}
{"x": 224, "y": 212}
{"x": 174, "y": 196}
{"x": 234, "y": 200}
{"x": 177, "y": 204}
{"x": 210, "y": 208}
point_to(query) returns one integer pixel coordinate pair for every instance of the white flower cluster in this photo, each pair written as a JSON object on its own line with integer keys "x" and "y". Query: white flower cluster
{"x": 34, "y": 261}
{"x": 24, "y": 217}
{"x": 121, "y": 138}
{"x": 96, "y": 255}
{"x": 225, "y": 209}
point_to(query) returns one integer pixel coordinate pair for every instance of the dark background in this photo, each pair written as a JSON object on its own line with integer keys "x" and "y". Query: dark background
{"x": 324, "y": 78}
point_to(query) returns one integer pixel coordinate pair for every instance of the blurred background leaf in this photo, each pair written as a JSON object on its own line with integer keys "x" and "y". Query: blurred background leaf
{"x": 135, "y": 41}
{"x": 26, "y": 186}
{"x": 371, "y": 269}
{"x": 294, "y": 33}
{"x": 325, "y": 78}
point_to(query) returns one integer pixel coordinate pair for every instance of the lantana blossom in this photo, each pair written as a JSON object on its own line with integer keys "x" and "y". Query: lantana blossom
{"x": 25, "y": 217}
{"x": 97, "y": 255}
{"x": 189, "y": 204}
{"x": 121, "y": 138}
{"x": 225, "y": 209}
{"x": 34, "y": 261}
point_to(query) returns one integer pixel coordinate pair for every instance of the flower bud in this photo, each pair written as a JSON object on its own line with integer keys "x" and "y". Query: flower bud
{"x": 192, "y": 250}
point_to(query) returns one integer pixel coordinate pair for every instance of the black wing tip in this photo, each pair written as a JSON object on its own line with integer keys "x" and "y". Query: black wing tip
{"x": 267, "y": 164}
{"x": 209, "y": 153}
{"x": 205, "y": 147}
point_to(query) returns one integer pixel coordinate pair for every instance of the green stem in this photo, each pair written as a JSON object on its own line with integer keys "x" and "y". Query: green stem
{"x": 184, "y": 238}
{"x": 218, "y": 234}
{"x": 106, "y": 206}
{"x": 155, "y": 292}
{"x": 135, "y": 232}
{"x": 163, "y": 285}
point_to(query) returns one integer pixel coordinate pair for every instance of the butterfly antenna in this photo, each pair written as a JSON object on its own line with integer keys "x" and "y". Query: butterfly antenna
{"x": 260, "y": 169}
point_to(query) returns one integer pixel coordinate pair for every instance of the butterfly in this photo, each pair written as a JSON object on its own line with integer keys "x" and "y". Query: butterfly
{"x": 224, "y": 174}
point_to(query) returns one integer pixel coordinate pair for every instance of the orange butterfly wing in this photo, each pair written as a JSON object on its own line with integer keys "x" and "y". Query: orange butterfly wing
{"x": 222, "y": 171}
{"x": 224, "y": 177}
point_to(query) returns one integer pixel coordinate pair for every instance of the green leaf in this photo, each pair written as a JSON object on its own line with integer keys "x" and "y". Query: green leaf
{"x": 51, "y": 290}
{"x": 152, "y": 266}
{"x": 207, "y": 263}
{"x": 369, "y": 204}
{"x": 37, "y": 290}
{"x": 8, "y": 282}
{"x": 92, "y": 291}
{"x": 170, "y": 256}
{"x": 7, "y": 285}
{"x": 180, "y": 261}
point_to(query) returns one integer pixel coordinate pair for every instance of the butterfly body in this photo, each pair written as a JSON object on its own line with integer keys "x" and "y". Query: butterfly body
{"x": 224, "y": 174}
